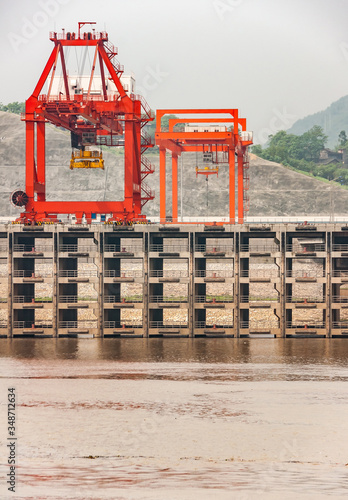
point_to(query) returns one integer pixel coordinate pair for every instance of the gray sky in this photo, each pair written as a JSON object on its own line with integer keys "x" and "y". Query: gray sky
{"x": 275, "y": 60}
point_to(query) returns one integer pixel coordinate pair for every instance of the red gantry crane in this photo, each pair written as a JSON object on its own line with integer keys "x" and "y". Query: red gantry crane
{"x": 106, "y": 114}
{"x": 218, "y": 144}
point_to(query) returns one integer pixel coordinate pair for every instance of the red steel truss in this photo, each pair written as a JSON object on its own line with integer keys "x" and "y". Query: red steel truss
{"x": 233, "y": 143}
{"x": 104, "y": 119}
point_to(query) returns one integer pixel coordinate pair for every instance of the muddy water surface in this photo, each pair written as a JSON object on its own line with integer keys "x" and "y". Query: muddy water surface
{"x": 177, "y": 419}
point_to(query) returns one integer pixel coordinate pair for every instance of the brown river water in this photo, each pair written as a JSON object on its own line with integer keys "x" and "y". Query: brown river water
{"x": 176, "y": 419}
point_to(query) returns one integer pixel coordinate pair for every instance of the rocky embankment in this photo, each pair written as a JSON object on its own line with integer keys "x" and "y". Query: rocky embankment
{"x": 274, "y": 189}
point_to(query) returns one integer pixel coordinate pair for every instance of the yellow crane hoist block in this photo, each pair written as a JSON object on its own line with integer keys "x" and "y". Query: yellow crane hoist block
{"x": 87, "y": 159}
{"x": 207, "y": 170}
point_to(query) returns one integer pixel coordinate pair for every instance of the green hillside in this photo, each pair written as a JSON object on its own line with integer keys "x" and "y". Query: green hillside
{"x": 332, "y": 120}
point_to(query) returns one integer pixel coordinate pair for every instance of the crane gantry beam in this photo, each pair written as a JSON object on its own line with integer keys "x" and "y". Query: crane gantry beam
{"x": 102, "y": 116}
{"x": 231, "y": 141}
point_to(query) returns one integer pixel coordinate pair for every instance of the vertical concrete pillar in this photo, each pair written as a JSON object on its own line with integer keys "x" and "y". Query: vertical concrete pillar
{"x": 191, "y": 237}
{"x": 55, "y": 305}
{"x": 10, "y": 285}
{"x": 282, "y": 237}
{"x": 328, "y": 292}
{"x": 236, "y": 285}
{"x": 146, "y": 283}
{"x": 100, "y": 268}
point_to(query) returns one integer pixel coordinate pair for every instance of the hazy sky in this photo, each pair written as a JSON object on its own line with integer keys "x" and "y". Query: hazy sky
{"x": 275, "y": 60}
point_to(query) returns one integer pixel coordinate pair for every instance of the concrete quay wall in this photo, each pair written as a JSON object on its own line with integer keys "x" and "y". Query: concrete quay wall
{"x": 188, "y": 280}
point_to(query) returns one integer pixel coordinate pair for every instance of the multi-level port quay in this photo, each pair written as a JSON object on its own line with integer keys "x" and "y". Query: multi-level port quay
{"x": 187, "y": 280}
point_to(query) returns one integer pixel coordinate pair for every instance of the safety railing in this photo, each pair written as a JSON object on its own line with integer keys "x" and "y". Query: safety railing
{"x": 207, "y": 299}
{"x": 123, "y": 248}
{"x": 260, "y": 273}
{"x": 305, "y": 324}
{"x": 73, "y": 299}
{"x": 200, "y": 247}
{"x": 169, "y": 248}
{"x": 252, "y": 298}
{"x": 340, "y": 324}
{"x": 78, "y": 324}
{"x": 77, "y": 248}
{"x": 214, "y": 273}
{"x": 146, "y": 107}
{"x": 172, "y": 324}
{"x": 340, "y": 247}
{"x": 26, "y": 299}
{"x": 259, "y": 248}
{"x": 125, "y": 273}
{"x": 146, "y": 141}
{"x": 167, "y": 298}
{"x": 78, "y": 273}
{"x": 340, "y": 274}
{"x": 147, "y": 167}
{"x": 3, "y": 324}
{"x": 304, "y": 300}
{"x": 30, "y": 248}
{"x": 107, "y": 140}
{"x": 308, "y": 248}
{"x": 25, "y": 273}
{"x": 298, "y": 273}
{"x": 146, "y": 192}
{"x": 73, "y": 98}
{"x": 122, "y": 324}
{"x": 168, "y": 273}
{"x": 33, "y": 325}
{"x": 259, "y": 325}
{"x": 72, "y": 36}
{"x": 148, "y": 113}
{"x": 110, "y": 299}
{"x": 339, "y": 299}
{"x": 203, "y": 324}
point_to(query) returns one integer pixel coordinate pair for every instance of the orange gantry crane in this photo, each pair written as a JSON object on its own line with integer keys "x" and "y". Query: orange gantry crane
{"x": 112, "y": 115}
{"x": 224, "y": 144}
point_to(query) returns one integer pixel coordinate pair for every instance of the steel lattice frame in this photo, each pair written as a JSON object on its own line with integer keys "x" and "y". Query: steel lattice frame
{"x": 178, "y": 142}
{"x": 125, "y": 114}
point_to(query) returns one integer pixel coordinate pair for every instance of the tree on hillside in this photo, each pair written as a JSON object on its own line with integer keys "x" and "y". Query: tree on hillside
{"x": 301, "y": 152}
{"x": 342, "y": 137}
{"x": 256, "y": 149}
{"x": 13, "y": 107}
{"x": 151, "y": 127}
{"x": 313, "y": 142}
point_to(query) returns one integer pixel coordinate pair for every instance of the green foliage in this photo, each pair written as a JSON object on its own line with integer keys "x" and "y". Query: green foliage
{"x": 256, "y": 149}
{"x": 13, "y": 107}
{"x": 342, "y": 137}
{"x": 302, "y": 152}
{"x": 165, "y": 122}
{"x": 151, "y": 127}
